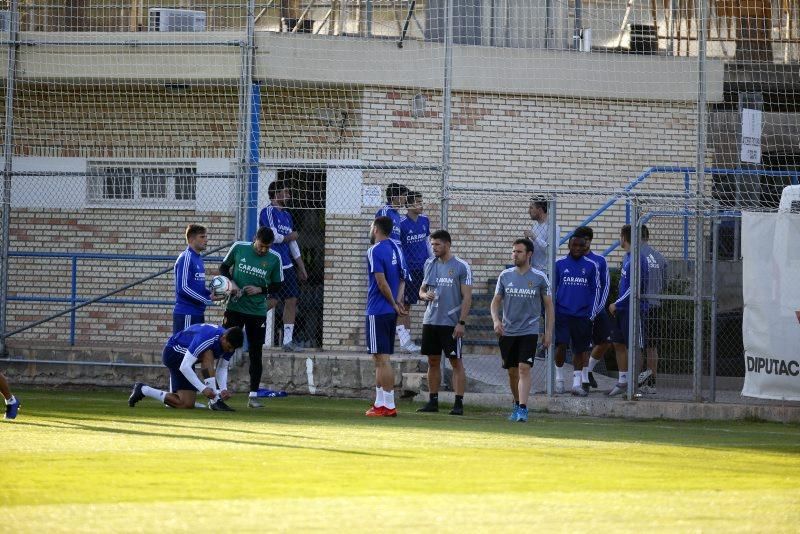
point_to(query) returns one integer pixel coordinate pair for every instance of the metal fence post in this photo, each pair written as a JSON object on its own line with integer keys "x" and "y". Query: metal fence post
{"x": 447, "y": 110}
{"x": 73, "y": 300}
{"x": 712, "y": 356}
{"x": 700, "y": 186}
{"x": 552, "y": 219}
{"x": 633, "y": 301}
{"x": 8, "y": 155}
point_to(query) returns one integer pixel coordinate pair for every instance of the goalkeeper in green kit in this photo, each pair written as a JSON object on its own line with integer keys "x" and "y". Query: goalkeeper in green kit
{"x": 256, "y": 272}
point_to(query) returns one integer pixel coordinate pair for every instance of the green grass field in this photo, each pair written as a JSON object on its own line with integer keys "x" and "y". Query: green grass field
{"x": 84, "y": 461}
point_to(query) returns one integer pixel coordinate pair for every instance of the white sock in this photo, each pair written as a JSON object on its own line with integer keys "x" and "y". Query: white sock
{"x": 11, "y": 400}
{"x": 576, "y": 379}
{"x": 592, "y": 363}
{"x": 379, "y": 398}
{"x": 559, "y": 373}
{"x": 585, "y": 375}
{"x": 389, "y": 399}
{"x": 211, "y": 382}
{"x": 154, "y": 393}
{"x": 623, "y": 377}
{"x": 288, "y": 333}
{"x": 253, "y": 394}
{"x": 403, "y": 335}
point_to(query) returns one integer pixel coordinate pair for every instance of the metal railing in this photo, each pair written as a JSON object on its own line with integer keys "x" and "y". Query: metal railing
{"x": 76, "y": 302}
{"x": 794, "y": 177}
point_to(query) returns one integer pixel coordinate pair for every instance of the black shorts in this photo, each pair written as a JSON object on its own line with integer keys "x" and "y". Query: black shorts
{"x": 574, "y": 331}
{"x": 255, "y": 327}
{"x": 518, "y": 349}
{"x": 438, "y": 339}
{"x": 601, "y": 328}
{"x": 619, "y": 333}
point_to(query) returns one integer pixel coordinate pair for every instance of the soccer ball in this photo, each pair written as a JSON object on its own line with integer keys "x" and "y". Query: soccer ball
{"x": 220, "y": 285}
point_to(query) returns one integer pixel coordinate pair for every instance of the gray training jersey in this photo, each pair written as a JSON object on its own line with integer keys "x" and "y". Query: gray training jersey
{"x": 445, "y": 279}
{"x": 656, "y": 273}
{"x": 522, "y": 300}
{"x": 541, "y": 242}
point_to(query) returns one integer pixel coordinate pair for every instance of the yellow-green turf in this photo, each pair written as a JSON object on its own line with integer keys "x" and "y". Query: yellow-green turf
{"x": 84, "y": 461}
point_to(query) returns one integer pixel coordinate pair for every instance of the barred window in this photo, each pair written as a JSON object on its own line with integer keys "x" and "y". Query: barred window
{"x": 152, "y": 184}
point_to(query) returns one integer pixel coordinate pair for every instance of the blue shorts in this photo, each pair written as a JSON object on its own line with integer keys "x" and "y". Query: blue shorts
{"x": 172, "y": 360}
{"x": 619, "y": 332}
{"x": 182, "y": 321}
{"x": 574, "y": 331}
{"x": 290, "y": 287}
{"x": 601, "y": 328}
{"x": 412, "y": 287}
{"x": 380, "y": 333}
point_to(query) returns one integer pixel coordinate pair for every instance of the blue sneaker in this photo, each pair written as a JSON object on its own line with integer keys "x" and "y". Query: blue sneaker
{"x": 12, "y": 409}
{"x": 522, "y": 415}
{"x": 513, "y": 415}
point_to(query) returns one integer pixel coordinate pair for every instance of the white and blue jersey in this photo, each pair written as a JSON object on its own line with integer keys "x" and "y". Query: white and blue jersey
{"x": 577, "y": 287}
{"x": 625, "y": 283}
{"x": 191, "y": 294}
{"x": 387, "y": 258}
{"x": 394, "y": 215}
{"x": 605, "y": 279}
{"x": 195, "y": 340}
{"x": 282, "y": 225}
{"x": 414, "y": 241}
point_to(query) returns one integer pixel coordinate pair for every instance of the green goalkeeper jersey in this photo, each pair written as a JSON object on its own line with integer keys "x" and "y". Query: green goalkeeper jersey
{"x": 250, "y": 269}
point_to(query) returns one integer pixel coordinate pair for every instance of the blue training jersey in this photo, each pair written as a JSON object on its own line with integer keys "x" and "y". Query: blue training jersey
{"x": 605, "y": 279}
{"x": 199, "y": 338}
{"x": 414, "y": 241}
{"x": 394, "y": 215}
{"x": 282, "y": 225}
{"x": 191, "y": 294}
{"x": 387, "y": 258}
{"x": 625, "y": 282}
{"x": 577, "y": 287}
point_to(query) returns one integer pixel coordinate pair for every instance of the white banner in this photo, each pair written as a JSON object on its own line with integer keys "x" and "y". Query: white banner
{"x": 771, "y": 286}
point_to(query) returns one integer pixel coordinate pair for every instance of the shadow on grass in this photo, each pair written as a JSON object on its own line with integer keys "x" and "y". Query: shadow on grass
{"x": 298, "y": 412}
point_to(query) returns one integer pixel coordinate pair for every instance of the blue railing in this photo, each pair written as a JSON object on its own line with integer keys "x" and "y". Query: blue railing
{"x": 73, "y": 298}
{"x": 794, "y": 177}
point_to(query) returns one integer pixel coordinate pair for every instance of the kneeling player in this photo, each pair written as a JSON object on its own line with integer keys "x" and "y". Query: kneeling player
{"x": 213, "y": 347}
{"x": 12, "y": 403}
{"x": 521, "y": 291}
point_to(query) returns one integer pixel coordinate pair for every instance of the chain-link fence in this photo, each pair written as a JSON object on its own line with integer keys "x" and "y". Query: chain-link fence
{"x": 124, "y": 123}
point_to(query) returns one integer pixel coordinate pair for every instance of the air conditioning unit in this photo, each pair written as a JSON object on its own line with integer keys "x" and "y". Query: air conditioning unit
{"x": 5, "y": 21}
{"x": 162, "y": 19}
{"x": 790, "y": 199}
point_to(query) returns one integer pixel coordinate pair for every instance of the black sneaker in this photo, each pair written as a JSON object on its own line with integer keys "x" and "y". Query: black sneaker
{"x": 431, "y": 406}
{"x": 457, "y": 410}
{"x": 219, "y": 406}
{"x": 136, "y": 394}
{"x": 592, "y": 381}
{"x": 585, "y": 386}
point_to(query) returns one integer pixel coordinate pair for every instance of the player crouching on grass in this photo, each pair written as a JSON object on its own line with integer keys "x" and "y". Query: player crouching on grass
{"x": 386, "y": 274}
{"x": 213, "y": 347}
{"x": 12, "y": 403}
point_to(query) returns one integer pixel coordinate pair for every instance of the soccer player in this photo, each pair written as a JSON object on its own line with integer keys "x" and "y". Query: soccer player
{"x": 395, "y": 199}
{"x": 447, "y": 289}
{"x": 521, "y": 291}
{"x": 386, "y": 273}
{"x": 653, "y": 329}
{"x": 12, "y": 403}
{"x": 191, "y": 294}
{"x": 209, "y": 344}
{"x": 620, "y": 311}
{"x": 577, "y": 292}
{"x": 540, "y": 235}
{"x": 414, "y": 231}
{"x": 601, "y": 326}
{"x": 280, "y": 221}
{"x": 256, "y": 269}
